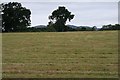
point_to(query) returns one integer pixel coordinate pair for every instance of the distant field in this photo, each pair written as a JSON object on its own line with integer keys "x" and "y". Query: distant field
{"x": 60, "y": 54}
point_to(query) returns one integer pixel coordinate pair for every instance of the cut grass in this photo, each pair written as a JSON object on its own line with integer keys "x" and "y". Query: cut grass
{"x": 60, "y": 54}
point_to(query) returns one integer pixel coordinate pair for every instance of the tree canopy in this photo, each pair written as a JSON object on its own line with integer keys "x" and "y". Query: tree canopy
{"x": 111, "y": 27}
{"x": 59, "y": 17}
{"x": 15, "y": 17}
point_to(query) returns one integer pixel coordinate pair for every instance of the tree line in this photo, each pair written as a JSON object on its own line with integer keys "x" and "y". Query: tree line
{"x": 111, "y": 27}
{"x": 16, "y": 18}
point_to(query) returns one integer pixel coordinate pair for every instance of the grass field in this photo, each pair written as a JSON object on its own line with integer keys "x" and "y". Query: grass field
{"x": 60, "y": 54}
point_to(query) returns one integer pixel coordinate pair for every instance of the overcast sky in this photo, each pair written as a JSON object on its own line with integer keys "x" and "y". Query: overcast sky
{"x": 86, "y": 13}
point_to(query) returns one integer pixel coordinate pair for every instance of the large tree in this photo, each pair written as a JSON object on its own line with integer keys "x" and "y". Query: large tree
{"x": 59, "y": 17}
{"x": 15, "y": 17}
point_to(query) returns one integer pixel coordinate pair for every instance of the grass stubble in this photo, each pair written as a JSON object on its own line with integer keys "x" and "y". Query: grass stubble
{"x": 60, "y": 54}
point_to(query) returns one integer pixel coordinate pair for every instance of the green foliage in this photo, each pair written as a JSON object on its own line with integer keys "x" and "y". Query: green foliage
{"x": 51, "y": 29}
{"x": 94, "y": 28}
{"x": 33, "y": 29}
{"x": 111, "y": 27}
{"x": 83, "y": 28}
{"x": 59, "y": 18}
{"x": 15, "y": 17}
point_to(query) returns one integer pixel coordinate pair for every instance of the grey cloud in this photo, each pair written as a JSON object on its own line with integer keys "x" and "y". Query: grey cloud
{"x": 89, "y": 13}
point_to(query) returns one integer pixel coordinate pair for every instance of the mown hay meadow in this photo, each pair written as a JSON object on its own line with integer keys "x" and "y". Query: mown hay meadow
{"x": 92, "y": 54}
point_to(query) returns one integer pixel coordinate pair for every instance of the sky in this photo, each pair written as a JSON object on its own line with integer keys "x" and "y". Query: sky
{"x": 86, "y": 13}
